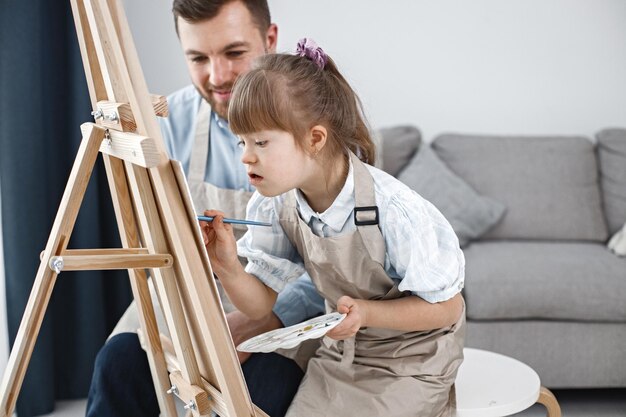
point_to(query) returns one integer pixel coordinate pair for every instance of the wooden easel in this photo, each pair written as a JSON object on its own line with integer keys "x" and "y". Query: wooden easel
{"x": 158, "y": 229}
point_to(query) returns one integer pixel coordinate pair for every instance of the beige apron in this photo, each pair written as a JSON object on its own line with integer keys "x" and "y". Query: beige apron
{"x": 207, "y": 196}
{"x": 204, "y": 196}
{"x": 379, "y": 372}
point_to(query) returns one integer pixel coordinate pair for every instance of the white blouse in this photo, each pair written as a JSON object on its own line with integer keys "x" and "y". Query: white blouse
{"x": 422, "y": 250}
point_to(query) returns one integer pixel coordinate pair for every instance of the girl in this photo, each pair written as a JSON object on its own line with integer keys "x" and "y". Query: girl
{"x": 374, "y": 249}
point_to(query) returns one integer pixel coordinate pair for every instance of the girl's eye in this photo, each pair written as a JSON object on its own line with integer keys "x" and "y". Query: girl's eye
{"x": 241, "y": 144}
{"x": 260, "y": 143}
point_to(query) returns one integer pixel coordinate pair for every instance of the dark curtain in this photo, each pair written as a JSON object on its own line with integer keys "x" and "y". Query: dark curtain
{"x": 43, "y": 101}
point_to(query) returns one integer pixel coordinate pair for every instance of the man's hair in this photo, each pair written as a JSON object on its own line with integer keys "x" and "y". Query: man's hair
{"x": 200, "y": 10}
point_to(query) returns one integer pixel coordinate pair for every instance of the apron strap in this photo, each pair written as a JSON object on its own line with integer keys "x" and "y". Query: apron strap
{"x": 200, "y": 149}
{"x": 347, "y": 356}
{"x": 365, "y": 211}
{"x": 364, "y": 195}
{"x": 366, "y": 216}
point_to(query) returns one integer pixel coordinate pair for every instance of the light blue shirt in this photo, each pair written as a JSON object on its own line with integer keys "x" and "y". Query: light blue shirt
{"x": 421, "y": 250}
{"x": 225, "y": 170}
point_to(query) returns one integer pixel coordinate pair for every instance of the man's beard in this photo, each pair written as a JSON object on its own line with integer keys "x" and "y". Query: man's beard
{"x": 220, "y": 108}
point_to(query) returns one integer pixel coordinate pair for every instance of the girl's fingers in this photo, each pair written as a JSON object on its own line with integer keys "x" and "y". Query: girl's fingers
{"x": 205, "y": 235}
{"x": 213, "y": 213}
{"x": 210, "y": 213}
{"x": 344, "y": 304}
{"x": 221, "y": 229}
{"x": 351, "y": 324}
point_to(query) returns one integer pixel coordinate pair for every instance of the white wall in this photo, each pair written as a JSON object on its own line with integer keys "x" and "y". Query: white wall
{"x": 488, "y": 66}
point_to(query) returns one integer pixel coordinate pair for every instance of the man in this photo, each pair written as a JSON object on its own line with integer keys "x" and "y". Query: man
{"x": 220, "y": 39}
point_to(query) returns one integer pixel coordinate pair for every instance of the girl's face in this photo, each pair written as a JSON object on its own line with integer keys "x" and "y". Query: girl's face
{"x": 275, "y": 163}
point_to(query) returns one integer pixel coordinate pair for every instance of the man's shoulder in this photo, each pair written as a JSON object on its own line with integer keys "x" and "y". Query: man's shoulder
{"x": 177, "y": 127}
{"x": 183, "y": 106}
{"x": 186, "y": 97}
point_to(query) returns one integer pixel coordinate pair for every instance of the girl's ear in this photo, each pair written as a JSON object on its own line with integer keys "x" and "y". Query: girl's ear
{"x": 317, "y": 139}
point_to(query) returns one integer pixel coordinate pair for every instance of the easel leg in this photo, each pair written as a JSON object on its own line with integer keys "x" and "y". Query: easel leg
{"x": 549, "y": 401}
{"x": 129, "y": 234}
{"x": 46, "y": 277}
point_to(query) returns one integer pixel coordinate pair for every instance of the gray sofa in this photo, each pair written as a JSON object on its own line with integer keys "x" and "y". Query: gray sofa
{"x": 533, "y": 215}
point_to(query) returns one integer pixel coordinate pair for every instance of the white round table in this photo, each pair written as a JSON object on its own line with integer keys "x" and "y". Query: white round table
{"x": 493, "y": 385}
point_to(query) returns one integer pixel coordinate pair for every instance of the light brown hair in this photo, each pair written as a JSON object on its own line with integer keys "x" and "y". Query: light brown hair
{"x": 292, "y": 94}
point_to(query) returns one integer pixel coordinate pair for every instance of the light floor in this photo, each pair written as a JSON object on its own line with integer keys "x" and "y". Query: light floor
{"x": 574, "y": 403}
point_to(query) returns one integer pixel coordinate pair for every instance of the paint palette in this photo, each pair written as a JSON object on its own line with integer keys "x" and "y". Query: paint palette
{"x": 292, "y": 336}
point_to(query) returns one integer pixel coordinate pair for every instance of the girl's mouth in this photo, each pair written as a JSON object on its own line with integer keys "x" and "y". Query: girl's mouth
{"x": 255, "y": 179}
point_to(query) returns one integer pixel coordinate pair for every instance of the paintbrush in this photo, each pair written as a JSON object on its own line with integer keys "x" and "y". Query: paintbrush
{"x": 234, "y": 221}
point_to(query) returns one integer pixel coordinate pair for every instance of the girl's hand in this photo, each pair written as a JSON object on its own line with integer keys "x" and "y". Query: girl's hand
{"x": 220, "y": 243}
{"x": 356, "y": 318}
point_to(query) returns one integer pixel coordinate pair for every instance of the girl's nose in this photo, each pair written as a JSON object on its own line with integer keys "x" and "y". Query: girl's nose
{"x": 248, "y": 157}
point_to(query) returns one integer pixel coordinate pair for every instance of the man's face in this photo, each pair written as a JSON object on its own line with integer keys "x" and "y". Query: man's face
{"x": 219, "y": 49}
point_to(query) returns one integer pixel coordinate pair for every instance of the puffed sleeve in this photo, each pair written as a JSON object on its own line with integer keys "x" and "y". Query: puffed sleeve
{"x": 422, "y": 248}
{"x": 271, "y": 256}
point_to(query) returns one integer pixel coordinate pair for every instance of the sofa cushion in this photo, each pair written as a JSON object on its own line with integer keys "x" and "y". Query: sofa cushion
{"x": 617, "y": 243}
{"x": 549, "y": 185}
{"x": 469, "y": 213}
{"x": 612, "y": 156}
{"x": 540, "y": 280}
{"x": 399, "y": 144}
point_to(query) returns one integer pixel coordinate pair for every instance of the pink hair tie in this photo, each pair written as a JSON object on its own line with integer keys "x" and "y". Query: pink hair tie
{"x": 309, "y": 49}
